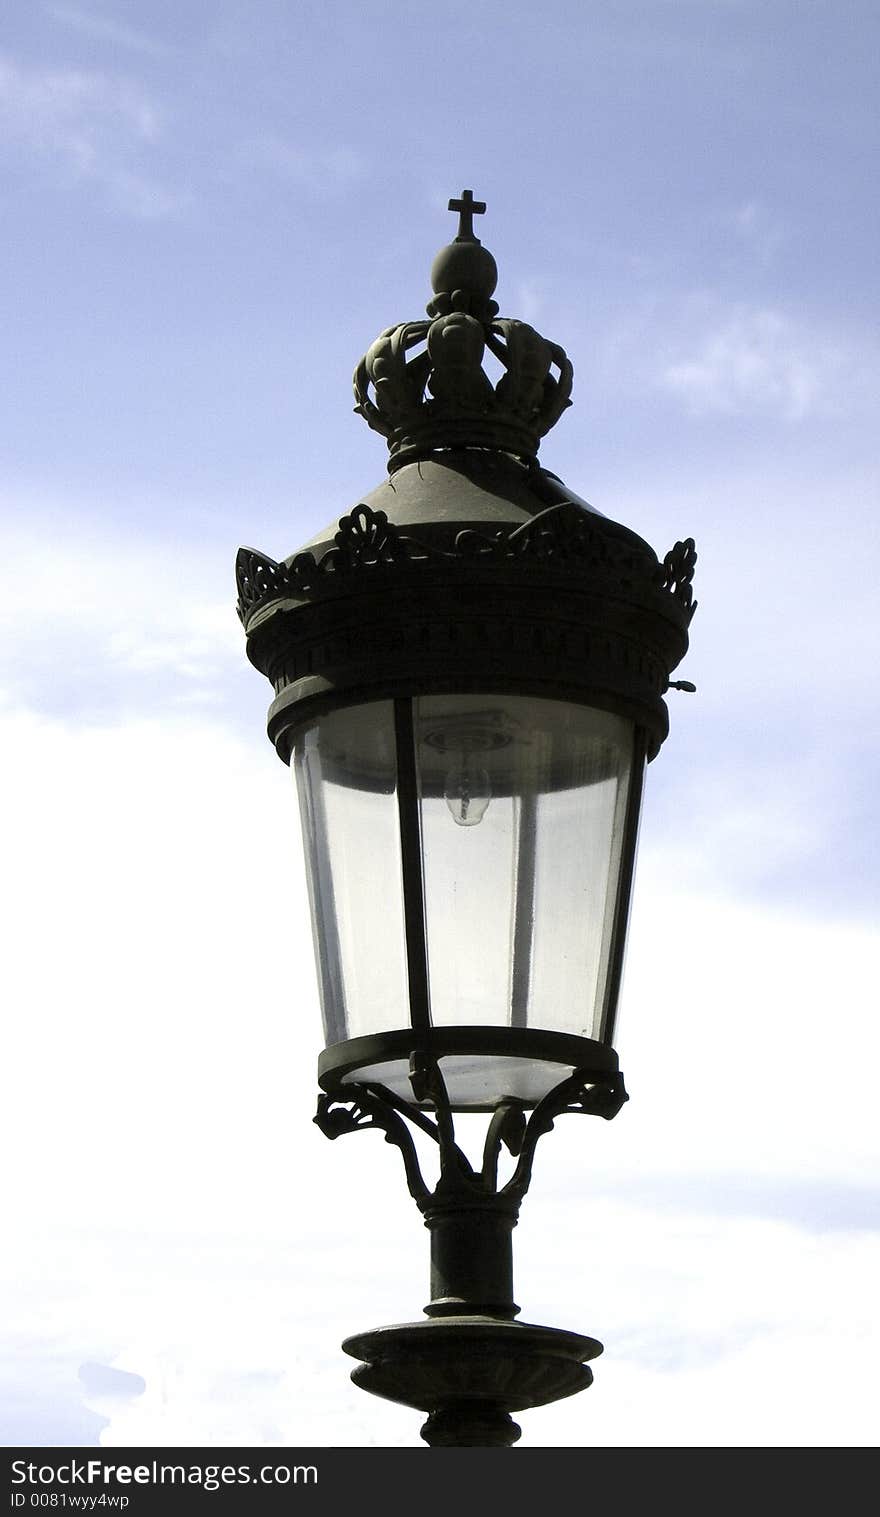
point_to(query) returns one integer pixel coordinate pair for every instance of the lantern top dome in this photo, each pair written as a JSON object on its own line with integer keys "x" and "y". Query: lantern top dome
{"x": 423, "y": 385}
{"x": 471, "y": 567}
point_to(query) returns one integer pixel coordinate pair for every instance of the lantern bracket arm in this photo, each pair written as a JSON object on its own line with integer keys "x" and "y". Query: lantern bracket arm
{"x": 375, "y": 1107}
{"x": 403, "y": 1108}
{"x": 507, "y": 1128}
{"x": 370, "y": 1105}
{"x": 426, "y": 1079}
{"x": 580, "y": 1093}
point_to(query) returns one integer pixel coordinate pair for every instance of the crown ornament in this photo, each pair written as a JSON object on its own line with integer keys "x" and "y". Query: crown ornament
{"x": 422, "y": 384}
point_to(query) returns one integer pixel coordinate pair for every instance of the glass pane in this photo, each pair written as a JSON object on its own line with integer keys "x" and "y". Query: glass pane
{"x": 524, "y": 804}
{"x": 346, "y": 770}
{"x": 577, "y": 862}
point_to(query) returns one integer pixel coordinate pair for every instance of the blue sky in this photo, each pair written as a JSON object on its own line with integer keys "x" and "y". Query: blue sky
{"x": 210, "y": 210}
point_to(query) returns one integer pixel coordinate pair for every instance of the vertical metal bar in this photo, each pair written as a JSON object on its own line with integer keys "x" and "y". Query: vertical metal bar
{"x": 617, "y": 950}
{"x": 411, "y": 864}
{"x": 523, "y": 908}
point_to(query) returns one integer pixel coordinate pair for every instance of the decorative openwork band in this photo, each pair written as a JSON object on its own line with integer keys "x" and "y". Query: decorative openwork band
{"x": 560, "y": 537}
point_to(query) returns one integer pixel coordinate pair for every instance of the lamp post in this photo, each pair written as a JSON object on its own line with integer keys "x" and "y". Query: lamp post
{"x": 469, "y": 671}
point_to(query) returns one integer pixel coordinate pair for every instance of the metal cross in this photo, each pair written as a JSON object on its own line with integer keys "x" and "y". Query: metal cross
{"x": 467, "y": 208}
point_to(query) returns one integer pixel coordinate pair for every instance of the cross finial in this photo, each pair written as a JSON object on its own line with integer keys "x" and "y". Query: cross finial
{"x": 467, "y": 208}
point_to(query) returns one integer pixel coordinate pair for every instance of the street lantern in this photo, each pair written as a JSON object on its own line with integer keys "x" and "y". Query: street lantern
{"x": 469, "y": 671}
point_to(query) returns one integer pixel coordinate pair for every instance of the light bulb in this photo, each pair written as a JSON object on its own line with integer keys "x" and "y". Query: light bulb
{"x": 467, "y": 793}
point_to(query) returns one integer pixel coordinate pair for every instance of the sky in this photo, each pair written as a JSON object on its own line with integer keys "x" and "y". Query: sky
{"x": 210, "y": 209}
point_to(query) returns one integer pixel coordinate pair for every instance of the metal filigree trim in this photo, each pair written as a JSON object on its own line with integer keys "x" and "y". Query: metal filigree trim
{"x": 561, "y": 536}
{"x": 676, "y": 574}
{"x": 367, "y": 1109}
{"x": 373, "y": 1106}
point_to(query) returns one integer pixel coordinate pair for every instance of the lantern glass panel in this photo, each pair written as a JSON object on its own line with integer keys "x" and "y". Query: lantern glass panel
{"x": 523, "y": 812}
{"x": 346, "y": 770}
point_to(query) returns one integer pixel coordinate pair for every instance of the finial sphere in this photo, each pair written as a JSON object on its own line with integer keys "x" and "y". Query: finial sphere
{"x": 466, "y": 266}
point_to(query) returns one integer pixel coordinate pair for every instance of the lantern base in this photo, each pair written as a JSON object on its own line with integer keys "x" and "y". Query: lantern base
{"x": 480, "y": 1065}
{"x": 469, "y": 1373}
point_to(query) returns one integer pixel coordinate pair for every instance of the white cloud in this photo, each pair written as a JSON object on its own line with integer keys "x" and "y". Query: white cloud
{"x": 739, "y": 359}
{"x": 95, "y": 126}
{"x": 750, "y": 823}
{"x": 755, "y": 360}
{"x": 186, "y": 642}
{"x": 137, "y": 625}
{"x": 711, "y": 1334}
{"x": 712, "y": 1331}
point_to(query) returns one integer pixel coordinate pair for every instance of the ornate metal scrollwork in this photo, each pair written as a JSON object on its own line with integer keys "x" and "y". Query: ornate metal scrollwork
{"x": 374, "y": 1107}
{"x": 676, "y": 574}
{"x": 561, "y": 536}
{"x": 366, "y": 537}
{"x": 576, "y": 1095}
{"x": 366, "y": 1106}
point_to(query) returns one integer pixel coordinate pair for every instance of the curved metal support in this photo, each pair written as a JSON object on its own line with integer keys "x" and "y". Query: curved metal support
{"x": 405, "y": 1108}
{"x": 366, "y": 1109}
{"x": 507, "y": 1128}
{"x": 603, "y": 1099}
{"x": 374, "y": 1106}
{"x": 427, "y": 1082}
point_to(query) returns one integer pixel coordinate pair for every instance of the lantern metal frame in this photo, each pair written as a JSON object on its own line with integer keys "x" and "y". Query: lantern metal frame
{"x": 559, "y": 604}
{"x": 339, "y": 1063}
